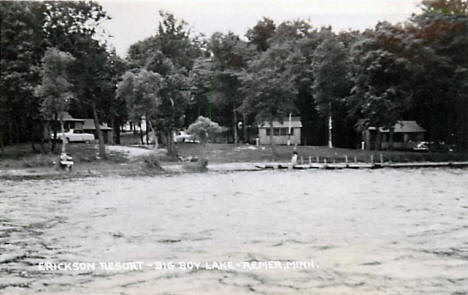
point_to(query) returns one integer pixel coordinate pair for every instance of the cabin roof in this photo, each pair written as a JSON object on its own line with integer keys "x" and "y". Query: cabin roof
{"x": 67, "y": 117}
{"x": 404, "y": 127}
{"x": 89, "y": 125}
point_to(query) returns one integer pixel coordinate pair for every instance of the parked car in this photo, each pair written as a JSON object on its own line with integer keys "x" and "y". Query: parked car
{"x": 436, "y": 147}
{"x": 75, "y": 136}
{"x": 422, "y": 146}
{"x": 182, "y": 136}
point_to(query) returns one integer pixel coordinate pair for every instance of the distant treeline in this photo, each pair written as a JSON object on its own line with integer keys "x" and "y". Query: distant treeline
{"x": 417, "y": 70}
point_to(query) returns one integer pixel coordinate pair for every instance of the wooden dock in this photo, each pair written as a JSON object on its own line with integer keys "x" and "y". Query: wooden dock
{"x": 361, "y": 165}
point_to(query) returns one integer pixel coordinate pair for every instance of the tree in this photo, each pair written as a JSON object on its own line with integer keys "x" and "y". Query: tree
{"x": 204, "y": 129}
{"x": 55, "y": 89}
{"x": 442, "y": 27}
{"x": 114, "y": 108}
{"x": 72, "y": 26}
{"x": 260, "y": 34}
{"x": 141, "y": 91}
{"x": 331, "y": 68}
{"x": 175, "y": 96}
{"x": 201, "y": 77}
{"x": 22, "y": 47}
{"x": 302, "y": 40}
{"x": 444, "y": 7}
{"x": 170, "y": 53}
{"x": 230, "y": 56}
{"x": 269, "y": 87}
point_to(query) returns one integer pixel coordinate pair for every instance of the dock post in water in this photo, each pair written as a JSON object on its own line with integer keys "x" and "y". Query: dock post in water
{"x": 310, "y": 160}
{"x": 381, "y": 159}
{"x": 317, "y": 158}
{"x": 346, "y": 159}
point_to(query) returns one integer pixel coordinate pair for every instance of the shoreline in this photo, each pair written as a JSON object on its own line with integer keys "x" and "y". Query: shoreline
{"x": 171, "y": 168}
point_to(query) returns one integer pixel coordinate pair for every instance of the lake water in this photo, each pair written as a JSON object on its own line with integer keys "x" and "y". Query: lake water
{"x": 354, "y": 231}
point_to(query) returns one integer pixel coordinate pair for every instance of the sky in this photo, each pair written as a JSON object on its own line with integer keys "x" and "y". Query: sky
{"x": 136, "y": 20}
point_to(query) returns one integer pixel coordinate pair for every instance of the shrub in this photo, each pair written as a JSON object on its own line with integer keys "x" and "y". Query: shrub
{"x": 152, "y": 161}
{"x": 39, "y": 160}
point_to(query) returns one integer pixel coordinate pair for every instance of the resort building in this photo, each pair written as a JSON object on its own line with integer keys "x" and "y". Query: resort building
{"x": 282, "y": 131}
{"x": 87, "y": 125}
{"x": 406, "y": 134}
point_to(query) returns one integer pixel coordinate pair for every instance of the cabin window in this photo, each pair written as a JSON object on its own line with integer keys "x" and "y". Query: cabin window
{"x": 279, "y": 131}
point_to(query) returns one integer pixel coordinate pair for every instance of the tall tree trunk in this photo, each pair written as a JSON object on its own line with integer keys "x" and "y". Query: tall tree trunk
{"x": 464, "y": 122}
{"x": 272, "y": 144}
{"x": 208, "y": 108}
{"x": 43, "y": 137}
{"x": 2, "y": 151}
{"x": 236, "y": 138}
{"x": 64, "y": 140}
{"x": 330, "y": 126}
{"x": 10, "y": 132}
{"x": 146, "y": 129}
{"x": 32, "y": 136}
{"x": 153, "y": 134}
{"x": 171, "y": 147}
{"x": 244, "y": 127}
{"x": 141, "y": 133}
{"x": 54, "y": 142}
{"x": 33, "y": 146}
{"x": 390, "y": 145}
{"x": 102, "y": 147}
{"x": 16, "y": 134}
{"x": 115, "y": 131}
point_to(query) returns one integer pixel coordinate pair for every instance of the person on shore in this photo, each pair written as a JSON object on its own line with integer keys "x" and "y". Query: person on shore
{"x": 294, "y": 158}
{"x": 66, "y": 161}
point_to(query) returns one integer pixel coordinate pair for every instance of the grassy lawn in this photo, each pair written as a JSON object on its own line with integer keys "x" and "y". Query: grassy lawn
{"x": 22, "y": 156}
{"x": 219, "y": 153}
{"x": 248, "y": 153}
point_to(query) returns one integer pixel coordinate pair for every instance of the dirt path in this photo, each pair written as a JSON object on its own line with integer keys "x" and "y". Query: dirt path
{"x": 131, "y": 152}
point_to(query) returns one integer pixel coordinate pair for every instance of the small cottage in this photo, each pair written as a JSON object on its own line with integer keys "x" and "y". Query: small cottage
{"x": 405, "y": 136}
{"x": 69, "y": 122}
{"x": 282, "y": 131}
{"x": 87, "y": 125}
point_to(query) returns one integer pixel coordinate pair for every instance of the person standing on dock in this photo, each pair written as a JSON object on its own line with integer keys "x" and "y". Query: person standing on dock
{"x": 294, "y": 158}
